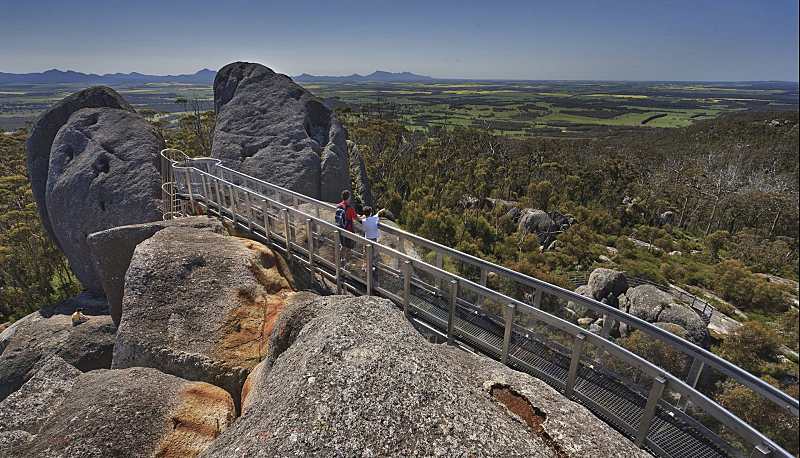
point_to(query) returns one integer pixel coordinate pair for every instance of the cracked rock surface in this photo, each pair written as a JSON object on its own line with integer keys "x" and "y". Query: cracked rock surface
{"x": 349, "y": 376}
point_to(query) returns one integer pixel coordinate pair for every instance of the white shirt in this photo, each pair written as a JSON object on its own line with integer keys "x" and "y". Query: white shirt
{"x": 371, "y": 227}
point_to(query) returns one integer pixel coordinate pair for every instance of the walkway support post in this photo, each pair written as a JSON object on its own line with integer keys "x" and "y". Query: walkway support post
{"x": 574, "y": 363}
{"x": 451, "y": 318}
{"x": 407, "y": 270}
{"x": 656, "y": 390}
{"x": 508, "y": 317}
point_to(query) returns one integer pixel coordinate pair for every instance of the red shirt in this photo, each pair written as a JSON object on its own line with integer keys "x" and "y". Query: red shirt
{"x": 350, "y": 215}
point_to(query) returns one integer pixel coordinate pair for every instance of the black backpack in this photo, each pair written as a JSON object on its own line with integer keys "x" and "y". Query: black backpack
{"x": 340, "y": 218}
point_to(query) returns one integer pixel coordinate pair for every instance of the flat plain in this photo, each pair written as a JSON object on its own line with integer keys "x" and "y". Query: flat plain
{"x": 517, "y": 108}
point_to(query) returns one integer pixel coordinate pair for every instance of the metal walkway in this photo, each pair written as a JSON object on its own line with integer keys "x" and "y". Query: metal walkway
{"x": 660, "y": 411}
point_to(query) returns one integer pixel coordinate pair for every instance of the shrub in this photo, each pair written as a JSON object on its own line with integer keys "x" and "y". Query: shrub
{"x": 750, "y": 346}
{"x": 658, "y": 353}
{"x": 767, "y": 417}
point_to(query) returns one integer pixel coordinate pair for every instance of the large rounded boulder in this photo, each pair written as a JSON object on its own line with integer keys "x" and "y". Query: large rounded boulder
{"x": 35, "y": 337}
{"x": 46, "y": 127}
{"x": 104, "y": 172}
{"x": 112, "y": 250}
{"x": 122, "y": 413}
{"x": 607, "y": 284}
{"x": 351, "y": 377}
{"x": 200, "y": 305}
{"x": 655, "y": 306}
{"x": 271, "y": 128}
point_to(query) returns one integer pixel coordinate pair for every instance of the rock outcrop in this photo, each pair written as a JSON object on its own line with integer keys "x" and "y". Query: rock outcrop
{"x": 271, "y": 128}
{"x": 103, "y": 173}
{"x": 607, "y": 284}
{"x": 534, "y": 221}
{"x": 655, "y": 306}
{"x": 44, "y": 131}
{"x": 200, "y": 305}
{"x": 27, "y": 408}
{"x": 33, "y": 338}
{"x": 122, "y": 413}
{"x": 349, "y": 376}
{"x": 358, "y": 176}
{"x": 112, "y": 249}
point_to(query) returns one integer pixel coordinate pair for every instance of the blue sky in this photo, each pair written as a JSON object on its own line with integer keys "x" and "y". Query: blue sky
{"x": 630, "y": 40}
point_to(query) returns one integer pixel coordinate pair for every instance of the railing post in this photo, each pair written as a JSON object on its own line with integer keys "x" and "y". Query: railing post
{"x": 233, "y": 205}
{"x": 219, "y": 197}
{"x": 249, "y": 211}
{"x": 608, "y": 322}
{"x": 484, "y": 278}
{"x": 407, "y": 271}
{"x": 189, "y": 187}
{"x": 574, "y": 363}
{"x": 691, "y": 379}
{"x": 265, "y": 211}
{"x": 206, "y": 197}
{"x": 337, "y": 254}
{"x": 286, "y": 232}
{"x": 370, "y": 275}
{"x": 537, "y": 299}
{"x": 656, "y": 391}
{"x": 451, "y": 318}
{"x": 310, "y": 236}
{"x": 508, "y": 317}
{"x": 439, "y": 264}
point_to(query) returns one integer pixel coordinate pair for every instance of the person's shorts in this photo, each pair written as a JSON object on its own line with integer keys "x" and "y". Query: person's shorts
{"x": 348, "y": 243}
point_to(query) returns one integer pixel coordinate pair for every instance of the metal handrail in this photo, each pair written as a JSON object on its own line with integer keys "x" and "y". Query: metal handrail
{"x": 677, "y": 385}
{"x": 764, "y": 389}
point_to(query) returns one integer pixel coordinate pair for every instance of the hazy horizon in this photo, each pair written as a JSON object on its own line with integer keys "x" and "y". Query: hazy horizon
{"x": 517, "y": 40}
{"x": 454, "y": 78}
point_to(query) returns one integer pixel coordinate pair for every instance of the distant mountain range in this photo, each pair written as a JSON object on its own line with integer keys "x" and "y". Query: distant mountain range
{"x": 54, "y": 76}
{"x": 378, "y": 76}
{"x": 204, "y": 76}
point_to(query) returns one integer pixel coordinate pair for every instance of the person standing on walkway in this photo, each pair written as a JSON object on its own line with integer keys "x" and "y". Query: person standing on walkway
{"x": 345, "y": 218}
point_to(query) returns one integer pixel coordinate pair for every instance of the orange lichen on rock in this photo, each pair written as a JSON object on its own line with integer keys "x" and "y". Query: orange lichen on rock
{"x": 203, "y": 411}
{"x": 248, "y": 385}
{"x": 248, "y": 326}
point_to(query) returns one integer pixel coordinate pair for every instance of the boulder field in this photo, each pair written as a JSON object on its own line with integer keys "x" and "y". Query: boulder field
{"x": 644, "y": 301}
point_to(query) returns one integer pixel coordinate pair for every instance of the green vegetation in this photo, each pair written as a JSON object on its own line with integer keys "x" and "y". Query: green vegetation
{"x": 730, "y": 185}
{"x": 33, "y": 272}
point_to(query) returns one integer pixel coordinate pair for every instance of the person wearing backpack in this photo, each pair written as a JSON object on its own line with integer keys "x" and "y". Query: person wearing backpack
{"x": 345, "y": 218}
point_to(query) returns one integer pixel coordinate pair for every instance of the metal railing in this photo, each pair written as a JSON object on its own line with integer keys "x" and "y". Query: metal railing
{"x": 301, "y": 228}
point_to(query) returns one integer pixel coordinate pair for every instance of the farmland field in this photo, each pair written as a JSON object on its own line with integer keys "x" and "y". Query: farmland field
{"x": 519, "y": 108}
